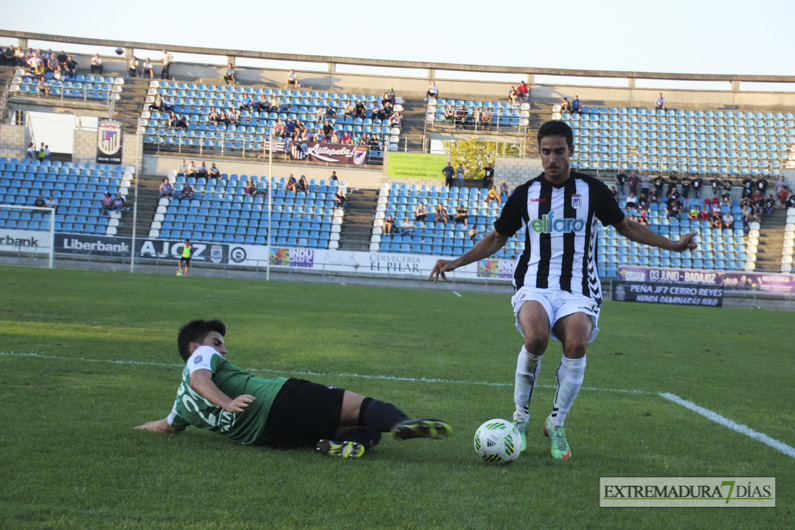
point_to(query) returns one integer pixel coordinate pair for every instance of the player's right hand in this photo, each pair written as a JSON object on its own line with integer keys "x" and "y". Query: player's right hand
{"x": 239, "y": 403}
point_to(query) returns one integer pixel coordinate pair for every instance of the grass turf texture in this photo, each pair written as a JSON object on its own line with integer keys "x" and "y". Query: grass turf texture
{"x": 71, "y": 458}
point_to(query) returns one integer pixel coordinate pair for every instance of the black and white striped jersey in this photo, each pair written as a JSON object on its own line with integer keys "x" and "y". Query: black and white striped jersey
{"x": 560, "y": 232}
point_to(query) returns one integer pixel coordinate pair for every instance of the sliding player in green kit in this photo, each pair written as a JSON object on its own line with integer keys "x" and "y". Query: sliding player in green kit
{"x": 279, "y": 412}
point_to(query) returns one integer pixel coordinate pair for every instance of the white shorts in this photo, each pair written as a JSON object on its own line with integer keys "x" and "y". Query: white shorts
{"x": 557, "y": 304}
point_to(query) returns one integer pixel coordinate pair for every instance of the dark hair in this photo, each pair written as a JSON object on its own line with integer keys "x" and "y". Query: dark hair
{"x": 196, "y": 331}
{"x": 556, "y": 128}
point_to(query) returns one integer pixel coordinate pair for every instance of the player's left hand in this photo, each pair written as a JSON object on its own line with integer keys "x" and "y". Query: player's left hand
{"x": 687, "y": 242}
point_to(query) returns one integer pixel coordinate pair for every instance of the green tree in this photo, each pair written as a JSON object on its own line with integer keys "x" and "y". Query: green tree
{"x": 474, "y": 155}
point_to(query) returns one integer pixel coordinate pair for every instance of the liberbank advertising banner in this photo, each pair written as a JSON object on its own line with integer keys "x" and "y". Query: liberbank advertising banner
{"x": 33, "y": 241}
{"x": 733, "y": 281}
{"x": 119, "y": 247}
{"x": 415, "y": 165}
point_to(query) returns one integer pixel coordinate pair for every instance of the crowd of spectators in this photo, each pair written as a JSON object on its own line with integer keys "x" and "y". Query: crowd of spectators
{"x": 41, "y": 64}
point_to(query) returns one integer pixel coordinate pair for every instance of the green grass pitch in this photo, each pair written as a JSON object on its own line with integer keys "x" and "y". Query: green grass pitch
{"x": 70, "y": 457}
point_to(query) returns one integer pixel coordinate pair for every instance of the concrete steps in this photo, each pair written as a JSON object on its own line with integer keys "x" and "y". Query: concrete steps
{"x": 357, "y": 224}
{"x": 148, "y": 191}
{"x": 771, "y": 242}
{"x": 128, "y": 107}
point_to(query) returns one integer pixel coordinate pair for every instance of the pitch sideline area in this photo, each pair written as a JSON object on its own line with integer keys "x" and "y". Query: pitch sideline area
{"x": 706, "y": 413}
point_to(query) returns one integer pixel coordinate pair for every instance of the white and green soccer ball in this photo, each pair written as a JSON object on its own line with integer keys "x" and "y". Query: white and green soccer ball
{"x": 498, "y": 442}
{"x": 179, "y": 272}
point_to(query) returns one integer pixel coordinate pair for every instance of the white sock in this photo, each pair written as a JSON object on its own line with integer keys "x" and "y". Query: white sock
{"x": 570, "y": 376}
{"x": 527, "y": 368}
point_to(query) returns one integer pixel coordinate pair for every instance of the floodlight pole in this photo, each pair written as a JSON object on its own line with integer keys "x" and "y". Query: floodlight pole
{"x": 269, "y": 191}
{"x": 138, "y": 169}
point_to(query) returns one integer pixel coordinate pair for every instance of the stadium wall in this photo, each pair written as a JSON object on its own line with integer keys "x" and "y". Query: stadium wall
{"x": 13, "y": 140}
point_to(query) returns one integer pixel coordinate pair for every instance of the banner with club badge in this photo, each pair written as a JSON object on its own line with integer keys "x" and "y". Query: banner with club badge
{"x": 331, "y": 153}
{"x": 109, "y": 141}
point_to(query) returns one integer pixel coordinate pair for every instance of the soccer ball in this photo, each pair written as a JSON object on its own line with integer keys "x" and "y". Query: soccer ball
{"x": 119, "y": 51}
{"x": 498, "y": 442}
{"x": 179, "y": 273}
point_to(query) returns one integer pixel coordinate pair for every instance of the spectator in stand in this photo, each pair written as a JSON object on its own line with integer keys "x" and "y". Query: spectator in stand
{"x": 523, "y": 91}
{"x": 39, "y": 202}
{"x": 214, "y": 172}
{"x": 727, "y": 221}
{"x": 346, "y": 138}
{"x": 292, "y": 184}
{"x": 359, "y": 111}
{"x": 96, "y": 64}
{"x": 247, "y": 103}
{"x": 449, "y": 113}
{"x": 107, "y": 203}
{"x": 42, "y": 152}
{"x": 51, "y": 202}
{"x": 696, "y": 184}
{"x": 485, "y": 119}
{"x": 632, "y": 202}
{"x": 333, "y": 177}
{"x": 71, "y": 67}
{"x": 407, "y": 226}
{"x": 644, "y": 216}
{"x": 673, "y": 181}
{"x": 292, "y": 80}
{"x": 251, "y": 187}
{"x": 132, "y": 67}
{"x": 166, "y": 61}
{"x": 685, "y": 183}
{"x": 565, "y": 105}
{"x": 494, "y": 195}
{"x": 621, "y": 180}
{"x": 157, "y": 105}
{"x": 231, "y": 75}
{"x": 770, "y": 205}
{"x": 182, "y": 169}
{"x": 420, "y": 214}
{"x": 396, "y": 120}
{"x": 441, "y": 214}
{"x": 234, "y": 117}
{"x": 715, "y": 184}
{"x": 783, "y": 196}
{"x": 634, "y": 182}
{"x": 349, "y": 110}
{"x": 44, "y": 87}
{"x": 459, "y": 175}
{"x": 660, "y": 102}
{"x": 262, "y": 105}
{"x": 448, "y": 173}
{"x": 340, "y": 201}
{"x": 504, "y": 191}
{"x": 187, "y": 192}
{"x": 432, "y": 92}
{"x": 673, "y": 208}
{"x": 118, "y": 202}
{"x": 694, "y": 213}
{"x": 30, "y": 152}
{"x": 614, "y": 193}
{"x": 576, "y": 105}
{"x": 389, "y": 225}
{"x": 303, "y": 185}
{"x": 513, "y": 95}
{"x": 148, "y": 70}
{"x": 461, "y": 215}
{"x": 166, "y": 189}
{"x": 201, "y": 171}
{"x": 488, "y": 176}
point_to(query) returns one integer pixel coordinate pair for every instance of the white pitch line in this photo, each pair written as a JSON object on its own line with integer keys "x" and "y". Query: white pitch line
{"x": 726, "y": 422}
{"x": 313, "y": 373}
{"x": 457, "y": 294}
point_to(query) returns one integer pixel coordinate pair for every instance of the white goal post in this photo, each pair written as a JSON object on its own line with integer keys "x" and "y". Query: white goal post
{"x": 32, "y": 233}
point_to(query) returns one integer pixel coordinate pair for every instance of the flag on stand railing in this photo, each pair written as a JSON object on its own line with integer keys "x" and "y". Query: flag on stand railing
{"x": 278, "y": 145}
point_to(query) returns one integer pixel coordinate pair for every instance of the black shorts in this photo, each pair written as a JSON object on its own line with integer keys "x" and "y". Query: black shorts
{"x": 184, "y": 260}
{"x": 302, "y": 413}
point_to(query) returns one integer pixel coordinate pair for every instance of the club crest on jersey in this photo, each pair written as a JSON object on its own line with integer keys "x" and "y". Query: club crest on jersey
{"x": 576, "y": 201}
{"x": 197, "y": 359}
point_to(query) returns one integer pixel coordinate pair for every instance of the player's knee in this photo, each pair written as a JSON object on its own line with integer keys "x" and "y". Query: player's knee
{"x": 574, "y": 348}
{"x": 536, "y": 344}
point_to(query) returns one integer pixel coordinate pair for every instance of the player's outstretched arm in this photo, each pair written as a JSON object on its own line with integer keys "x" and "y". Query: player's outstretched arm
{"x": 485, "y": 248}
{"x": 640, "y": 234}
{"x": 201, "y": 381}
{"x": 157, "y": 426}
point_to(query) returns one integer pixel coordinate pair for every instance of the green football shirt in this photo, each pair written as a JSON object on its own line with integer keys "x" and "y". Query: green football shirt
{"x": 190, "y": 408}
